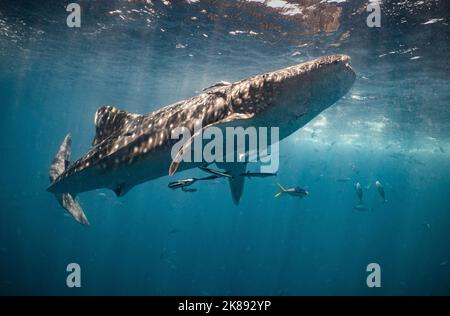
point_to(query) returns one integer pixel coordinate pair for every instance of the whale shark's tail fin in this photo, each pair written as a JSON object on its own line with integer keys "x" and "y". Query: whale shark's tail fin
{"x": 58, "y": 166}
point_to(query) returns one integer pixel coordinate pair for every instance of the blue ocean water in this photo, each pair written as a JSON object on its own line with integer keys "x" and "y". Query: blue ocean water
{"x": 393, "y": 126}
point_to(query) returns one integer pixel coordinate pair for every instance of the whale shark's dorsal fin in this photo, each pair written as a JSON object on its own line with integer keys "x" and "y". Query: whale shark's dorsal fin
{"x": 108, "y": 120}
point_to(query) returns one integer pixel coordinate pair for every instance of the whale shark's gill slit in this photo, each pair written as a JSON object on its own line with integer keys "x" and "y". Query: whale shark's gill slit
{"x": 110, "y": 120}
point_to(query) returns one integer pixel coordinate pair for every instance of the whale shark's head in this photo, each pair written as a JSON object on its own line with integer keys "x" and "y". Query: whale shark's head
{"x": 296, "y": 92}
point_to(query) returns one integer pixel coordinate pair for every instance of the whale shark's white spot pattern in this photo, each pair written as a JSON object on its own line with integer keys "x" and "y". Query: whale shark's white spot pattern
{"x": 123, "y": 137}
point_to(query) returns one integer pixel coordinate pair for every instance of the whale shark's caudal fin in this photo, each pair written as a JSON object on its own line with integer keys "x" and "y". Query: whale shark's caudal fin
{"x": 59, "y": 165}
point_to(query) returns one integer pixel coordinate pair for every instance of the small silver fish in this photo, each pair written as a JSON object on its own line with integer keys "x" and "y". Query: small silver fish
{"x": 346, "y": 179}
{"x": 380, "y": 190}
{"x": 359, "y": 191}
{"x": 362, "y": 208}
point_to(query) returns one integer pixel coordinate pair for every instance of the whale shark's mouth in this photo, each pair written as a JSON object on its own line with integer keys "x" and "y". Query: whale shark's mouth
{"x": 311, "y": 66}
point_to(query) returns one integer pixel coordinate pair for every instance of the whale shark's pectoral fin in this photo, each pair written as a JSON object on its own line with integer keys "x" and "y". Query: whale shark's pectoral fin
{"x": 74, "y": 208}
{"x": 109, "y": 120}
{"x": 179, "y": 156}
{"x": 236, "y": 182}
{"x": 60, "y": 164}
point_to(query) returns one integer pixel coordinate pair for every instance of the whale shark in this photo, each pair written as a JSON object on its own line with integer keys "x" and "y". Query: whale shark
{"x": 129, "y": 149}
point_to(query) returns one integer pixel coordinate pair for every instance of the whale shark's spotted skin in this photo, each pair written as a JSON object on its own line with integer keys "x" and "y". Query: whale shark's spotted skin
{"x": 287, "y": 98}
{"x": 136, "y": 135}
{"x": 123, "y": 137}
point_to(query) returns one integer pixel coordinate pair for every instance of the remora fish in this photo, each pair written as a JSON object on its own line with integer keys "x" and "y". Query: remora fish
{"x": 129, "y": 149}
{"x": 257, "y": 174}
{"x": 188, "y": 182}
{"x": 181, "y": 183}
{"x": 215, "y": 172}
